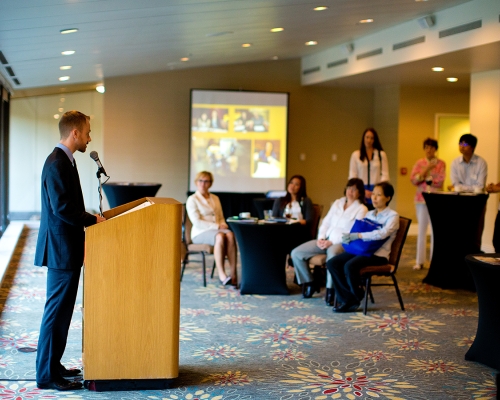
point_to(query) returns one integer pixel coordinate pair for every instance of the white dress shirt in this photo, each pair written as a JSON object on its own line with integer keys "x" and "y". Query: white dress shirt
{"x": 378, "y": 173}
{"x": 339, "y": 221}
{"x": 205, "y": 214}
{"x": 471, "y": 175}
{"x": 389, "y": 219}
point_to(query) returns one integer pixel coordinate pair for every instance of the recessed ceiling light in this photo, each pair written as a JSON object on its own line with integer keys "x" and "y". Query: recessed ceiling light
{"x": 56, "y": 116}
{"x": 246, "y": 44}
{"x": 185, "y": 59}
{"x": 311, "y": 43}
{"x": 100, "y": 88}
{"x": 452, "y": 79}
{"x": 68, "y": 52}
{"x": 277, "y": 29}
{"x": 274, "y": 57}
{"x": 437, "y": 69}
{"x": 420, "y": 0}
{"x": 64, "y": 78}
{"x": 320, "y": 8}
{"x": 366, "y": 21}
{"x": 66, "y": 31}
{"x": 64, "y": 67}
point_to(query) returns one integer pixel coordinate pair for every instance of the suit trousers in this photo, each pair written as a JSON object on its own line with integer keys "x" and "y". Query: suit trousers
{"x": 496, "y": 234}
{"x": 345, "y": 274}
{"x": 62, "y": 288}
{"x": 301, "y": 255}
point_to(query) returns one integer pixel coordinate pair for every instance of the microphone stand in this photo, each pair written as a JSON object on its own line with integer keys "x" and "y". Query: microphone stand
{"x": 98, "y": 174}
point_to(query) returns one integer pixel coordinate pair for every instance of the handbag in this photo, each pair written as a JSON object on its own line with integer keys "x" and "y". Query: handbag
{"x": 360, "y": 247}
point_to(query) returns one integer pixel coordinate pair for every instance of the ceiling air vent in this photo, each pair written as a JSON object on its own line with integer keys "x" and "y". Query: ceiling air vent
{"x": 3, "y": 60}
{"x": 461, "y": 28}
{"x": 16, "y": 81}
{"x": 336, "y": 63}
{"x": 310, "y": 70}
{"x": 369, "y": 54}
{"x": 10, "y": 71}
{"x": 402, "y": 45}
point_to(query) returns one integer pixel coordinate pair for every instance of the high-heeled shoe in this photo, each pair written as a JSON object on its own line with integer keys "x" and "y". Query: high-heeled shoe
{"x": 308, "y": 289}
{"x": 226, "y": 281}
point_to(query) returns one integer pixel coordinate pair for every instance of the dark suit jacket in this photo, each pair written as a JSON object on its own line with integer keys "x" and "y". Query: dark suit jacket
{"x": 61, "y": 238}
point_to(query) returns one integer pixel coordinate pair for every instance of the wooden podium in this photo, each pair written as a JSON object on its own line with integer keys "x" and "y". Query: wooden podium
{"x": 131, "y": 297}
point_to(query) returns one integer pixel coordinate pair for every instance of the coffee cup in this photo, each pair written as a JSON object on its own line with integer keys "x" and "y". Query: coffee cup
{"x": 245, "y": 215}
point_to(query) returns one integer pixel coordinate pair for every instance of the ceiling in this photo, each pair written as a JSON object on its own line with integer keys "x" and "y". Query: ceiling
{"x": 126, "y": 37}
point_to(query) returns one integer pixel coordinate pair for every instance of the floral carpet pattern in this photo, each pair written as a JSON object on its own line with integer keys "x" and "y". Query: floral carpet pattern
{"x": 274, "y": 347}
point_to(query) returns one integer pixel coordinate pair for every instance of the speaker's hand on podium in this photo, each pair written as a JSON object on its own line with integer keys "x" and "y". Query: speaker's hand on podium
{"x": 99, "y": 218}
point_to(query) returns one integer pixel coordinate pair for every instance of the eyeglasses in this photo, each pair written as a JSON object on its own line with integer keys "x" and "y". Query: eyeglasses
{"x": 204, "y": 181}
{"x": 464, "y": 144}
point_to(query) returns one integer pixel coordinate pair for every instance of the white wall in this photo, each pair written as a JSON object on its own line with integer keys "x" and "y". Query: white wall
{"x": 34, "y": 133}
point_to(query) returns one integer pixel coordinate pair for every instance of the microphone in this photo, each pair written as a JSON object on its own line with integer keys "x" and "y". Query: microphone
{"x": 94, "y": 156}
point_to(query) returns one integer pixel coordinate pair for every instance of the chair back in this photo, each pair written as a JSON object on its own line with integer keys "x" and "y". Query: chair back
{"x": 187, "y": 225}
{"x": 318, "y": 210}
{"x": 397, "y": 245}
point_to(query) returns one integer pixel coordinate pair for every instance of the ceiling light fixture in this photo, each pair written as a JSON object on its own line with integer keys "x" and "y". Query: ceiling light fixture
{"x": 185, "y": 59}
{"x": 320, "y": 8}
{"x": 68, "y": 52}
{"x": 64, "y": 67}
{"x": 437, "y": 69}
{"x": 311, "y": 43}
{"x": 66, "y": 31}
{"x": 274, "y": 57}
{"x": 246, "y": 44}
{"x": 452, "y": 79}
{"x": 100, "y": 88}
{"x": 64, "y": 78}
{"x": 277, "y": 29}
{"x": 366, "y": 21}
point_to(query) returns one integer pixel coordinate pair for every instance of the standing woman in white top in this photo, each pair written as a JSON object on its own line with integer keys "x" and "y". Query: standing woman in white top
{"x": 209, "y": 226}
{"x": 369, "y": 163}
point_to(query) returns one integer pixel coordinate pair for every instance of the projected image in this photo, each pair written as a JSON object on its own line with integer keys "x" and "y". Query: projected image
{"x": 241, "y": 137}
{"x": 251, "y": 120}
{"x": 266, "y": 159}
{"x": 210, "y": 119}
{"x": 223, "y": 157}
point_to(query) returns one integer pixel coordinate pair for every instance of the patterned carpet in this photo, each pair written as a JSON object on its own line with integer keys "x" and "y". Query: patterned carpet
{"x": 274, "y": 347}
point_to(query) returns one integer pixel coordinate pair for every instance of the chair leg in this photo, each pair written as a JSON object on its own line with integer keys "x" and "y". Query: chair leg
{"x": 367, "y": 290}
{"x": 203, "y": 266}
{"x": 183, "y": 266}
{"x": 398, "y": 292}
{"x": 213, "y": 270}
{"x": 371, "y": 295}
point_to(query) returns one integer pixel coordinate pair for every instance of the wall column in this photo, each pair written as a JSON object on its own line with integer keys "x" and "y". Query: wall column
{"x": 485, "y": 124}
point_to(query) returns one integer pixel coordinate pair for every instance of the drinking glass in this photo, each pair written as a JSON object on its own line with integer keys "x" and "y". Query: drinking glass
{"x": 288, "y": 211}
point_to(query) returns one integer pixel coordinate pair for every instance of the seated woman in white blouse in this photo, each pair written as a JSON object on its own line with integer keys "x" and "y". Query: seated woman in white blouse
{"x": 339, "y": 219}
{"x": 209, "y": 226}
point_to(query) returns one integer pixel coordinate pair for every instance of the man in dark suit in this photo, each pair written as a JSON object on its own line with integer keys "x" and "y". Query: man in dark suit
{"x": 60, "y": 247}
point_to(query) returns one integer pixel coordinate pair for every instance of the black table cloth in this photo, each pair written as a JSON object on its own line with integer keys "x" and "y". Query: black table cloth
{"x": 486, "y": 346}
{"x": 455, "y": 222}
{"x": 119, "y": 193}
{"x": 263, "y": 249}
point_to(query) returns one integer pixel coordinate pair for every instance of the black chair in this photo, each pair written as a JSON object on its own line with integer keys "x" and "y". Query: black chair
{"x": 388, "y": 270}
{"x": 190, "y": 248}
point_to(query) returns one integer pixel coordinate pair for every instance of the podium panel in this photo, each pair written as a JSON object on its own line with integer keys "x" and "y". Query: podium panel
{"x": 132, "y": 292}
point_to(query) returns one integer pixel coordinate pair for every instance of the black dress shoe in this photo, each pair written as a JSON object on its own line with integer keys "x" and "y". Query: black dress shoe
{"x": 61, "y": 385}
{"x": 68, "y": 373}
{"x": 330, "y": 294}
{"x": 348, "y": 307}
